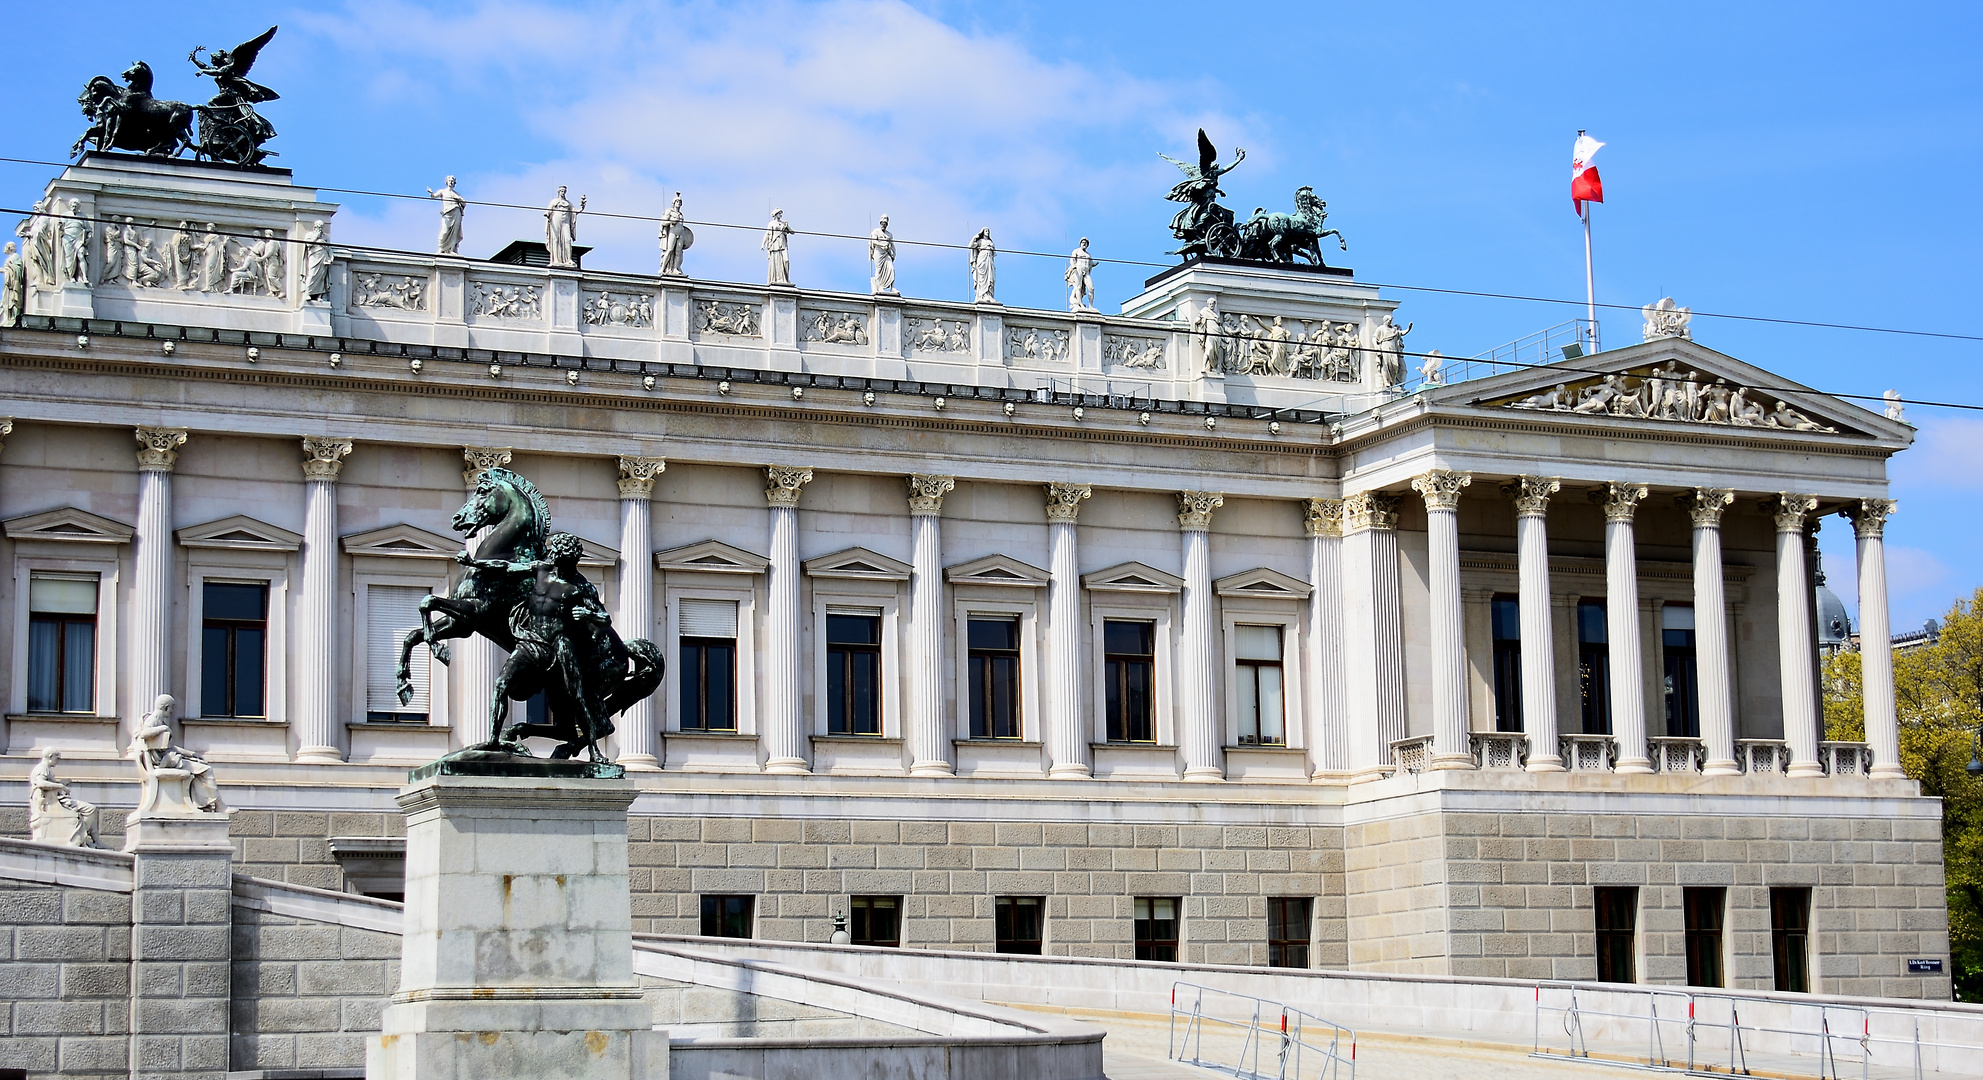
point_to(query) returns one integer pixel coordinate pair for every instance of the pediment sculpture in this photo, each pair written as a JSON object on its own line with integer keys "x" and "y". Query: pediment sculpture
{"x": 1666, "y": 393}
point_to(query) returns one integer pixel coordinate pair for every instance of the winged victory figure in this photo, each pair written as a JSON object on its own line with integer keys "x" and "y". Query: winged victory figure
{"x": 230, "y": 128}
{"x": 1205, "y": 227}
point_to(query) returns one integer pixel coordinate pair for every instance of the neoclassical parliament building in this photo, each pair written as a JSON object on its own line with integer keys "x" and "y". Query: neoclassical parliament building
{"x": 1185, "y": 633}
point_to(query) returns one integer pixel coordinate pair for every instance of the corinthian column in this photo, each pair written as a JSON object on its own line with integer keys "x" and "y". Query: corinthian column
{"x": 1328, "y": 743}
{"x": 784, "y": 723}
{"x": 1441, "y": 491}
{"x": 1621, "y": 618}
{"x": 479, "y": 658}
{"x": 1374, "y": 656}
{"x": 1531, "y": 495}
{"x": 929, "y": 744}
{"x": 1795, "y": 646}
{"x": 1198, "y": 688}
{"x": 1067, "y": 736}
{"x": 638, "y": 736}
{"x": 316, "y": 605}
{"x": 1711, "y": 631}
{"x": 151, "y": 597}
{"x": 1869, "y": 523}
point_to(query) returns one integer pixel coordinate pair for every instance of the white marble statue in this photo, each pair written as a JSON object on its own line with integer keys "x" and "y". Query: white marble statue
{"x": 1666, "y": 319}
{"x": 984, "y": 274}
{"x": 881, "y": 256}
{"x": 75, "y": 246}
{"x": 1080, "y": 278}
{"x": 13, "y": 287}
{"x": 561, "y": 228}
{"x": 776, "y": 246}
{"x": 132, "y": 239}
{"x": 113, "y": 256}
{"x": 176, "y": 780}
{"x": 34, "y": 263}
{"x": 1211, "y": 336}
{"x": 1892, "y": 398}
{"x": 54, "y": 815}
{"x": 269, "y": 256}
{"x": 453, "y": 207}
{"x": 1388, "y": 340}
{"x": 1433, "y": 368}
{"x": 1277, "y": 338}
{"x": 316, "y": 262}
{"x": 676, "y": 239}
{"x": 212, "y": 249}
{"x": 177, "y": 257}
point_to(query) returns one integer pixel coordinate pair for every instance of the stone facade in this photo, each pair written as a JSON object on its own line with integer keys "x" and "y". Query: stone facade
{"x": 307, "y": 994}
{"x": 66, "y": 977}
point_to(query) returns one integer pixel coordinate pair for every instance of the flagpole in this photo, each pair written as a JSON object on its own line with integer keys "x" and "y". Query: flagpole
{"x": 1590, "y": 281}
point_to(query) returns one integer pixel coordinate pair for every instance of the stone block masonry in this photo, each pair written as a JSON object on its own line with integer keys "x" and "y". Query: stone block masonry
{"x": 65, "y": 980}
{"x": 307, "y": 994}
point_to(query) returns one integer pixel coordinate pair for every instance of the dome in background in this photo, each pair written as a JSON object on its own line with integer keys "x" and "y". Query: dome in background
{"x": 1834, "y": 624}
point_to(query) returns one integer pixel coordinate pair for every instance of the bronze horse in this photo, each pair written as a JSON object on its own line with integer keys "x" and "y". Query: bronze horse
{"x": 129, "y": 118}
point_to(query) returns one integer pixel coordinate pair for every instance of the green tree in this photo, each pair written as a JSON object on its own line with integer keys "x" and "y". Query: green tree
{"x": 1938, "y": 693}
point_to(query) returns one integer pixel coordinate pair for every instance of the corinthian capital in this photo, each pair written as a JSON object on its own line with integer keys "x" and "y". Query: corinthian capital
{"x": 1704, "y": 506}
{"x": 637, "y": 476}
{"x": 783, "y": 484}
{"x": 1868, "y": 516}
{"x": 324, "y": 458}
{"x": 1323, "y": 517}
{"x": 1621, "y": 500}
{"x": 1064, "y": 501}
{"x": 926, "y": 492}
{"x": 158, "y": 448}
{"x": 1370, "y": 510}
{"x": 481, "y": 459}
{"x": 1194, "y": 509}
{"x": 1531, "y": 494}
{"x": 6, "y": 429}
{"x": 1441, "y": 489}
{"x": 1789, "y": 510}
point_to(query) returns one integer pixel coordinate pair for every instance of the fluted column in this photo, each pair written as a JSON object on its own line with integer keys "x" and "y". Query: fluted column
{"x": 1066, "y": 734}
{"x": 1197, "y": 685}
{"x": 1711, "y": 661}
{"x": 478, "y": 658}
{"x": 929, "y": 742}
{"x": 1795, "y": 644}
{"x": 151, "y": 596}
{"x": 639, "y": 734}
{"x": 1621, "y": 618}
{"x": 1441, "y": 490}
{"x": 1531, "y": 494}
{"x": 316, "y": 604}
{"x": 1373, "y": 624}
{"x": 1869, "y": 523}
{"x": 784, "y": 720}
{"x": 1328, "y": 706}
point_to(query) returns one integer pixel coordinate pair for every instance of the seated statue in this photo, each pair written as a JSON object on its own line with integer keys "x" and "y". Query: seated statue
{"x": 54, "y": 815}
{"x": 159, "y": 759}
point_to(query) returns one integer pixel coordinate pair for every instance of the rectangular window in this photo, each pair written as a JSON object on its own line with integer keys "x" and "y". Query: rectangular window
{"x": 1506, "y": 617}
{"x": 1617, "y": 932}
{"x": 727, "y": 916}
{"x": 1790, "y": 938}
{"x": 875, "y": 920}
{"x": 1017, "y": 924}
{"x": 1129, "y": 661}
{"x": 1594, "y": 667}
{"x": 1702, "y": 913}
{"x": 1156, "y": 928}
{"x": 708, "y": 652}
{"x": 234, "y": 630}
{"x": 1257, "y": 679}
{"x": 392, "y": 612}
{"x": 1288, "y": 922}
{"x": 62, "y": 643}
{"x": 994, "y": 668}
{"x": 853, "y": 674}
{"x": 1682, "y": 689}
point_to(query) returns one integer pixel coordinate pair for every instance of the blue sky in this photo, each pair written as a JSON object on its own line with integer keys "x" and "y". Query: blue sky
{"x": 1811, "y": 162}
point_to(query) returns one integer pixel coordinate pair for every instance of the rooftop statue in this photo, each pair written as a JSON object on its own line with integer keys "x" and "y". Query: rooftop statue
{"x": 1205, "y": 227}
{"x": 129, "y": 118}
{"x": 1281, "y": 238}
{"x": 230, "y": 128}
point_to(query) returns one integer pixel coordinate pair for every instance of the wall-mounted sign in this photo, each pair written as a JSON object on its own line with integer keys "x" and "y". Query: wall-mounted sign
{"x": 1924, "y": 967}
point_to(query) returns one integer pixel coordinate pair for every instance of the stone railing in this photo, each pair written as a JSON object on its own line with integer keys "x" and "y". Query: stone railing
{"x": 1846, "y": 758}
{"x": 1500, "y": 749}
{"x": 1588, "y": 753}
{"x": 1412, "y": 755}
{"x": 1762, "y": 756}
{"x": 1676, "y": 754}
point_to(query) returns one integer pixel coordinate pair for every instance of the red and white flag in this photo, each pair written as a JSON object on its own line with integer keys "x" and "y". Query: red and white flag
{"x": 1584, "y": 183}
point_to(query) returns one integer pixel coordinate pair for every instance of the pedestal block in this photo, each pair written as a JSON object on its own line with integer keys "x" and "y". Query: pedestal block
{"x": 517, "y": 958}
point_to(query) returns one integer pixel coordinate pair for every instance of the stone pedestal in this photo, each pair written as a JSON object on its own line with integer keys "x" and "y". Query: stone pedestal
{"x": 517, "y": 958}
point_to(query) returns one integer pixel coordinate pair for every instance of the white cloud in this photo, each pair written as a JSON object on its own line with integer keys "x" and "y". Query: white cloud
{"x": 1944, "y": 455}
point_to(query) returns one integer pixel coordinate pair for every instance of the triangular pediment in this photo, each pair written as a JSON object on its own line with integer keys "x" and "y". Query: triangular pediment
{"x": 1262, "y": 583}
{"x": 597, "y": 554}
{"x": 1670, "y": 382}
{"x": 1132, "y": 577}
{"x": 240, "y": 533}
{"x": 858, "y": 562}
{"x": 70, "y": 525}
{"x": 711, "y": 557}
{"x": 402, "y": 541}
{"x": 997, "y": 570}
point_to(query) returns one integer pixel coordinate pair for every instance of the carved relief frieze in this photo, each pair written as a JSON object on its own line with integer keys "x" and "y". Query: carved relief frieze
{"x": 607, "y": 308}
{"x": 389, "y": 291}
{"x": 726, "y": 317}
{"x": 1291, "y": 348}
{"x": 1045, "y": 344}
{"x": 494, "y": 300}
{"x": 927, "y": 334}
{"x": 1123, "y": 350}
{"x": 1664, "y": 392}
{"x": 194, "y": 257}
{"x": 833, "y": 327}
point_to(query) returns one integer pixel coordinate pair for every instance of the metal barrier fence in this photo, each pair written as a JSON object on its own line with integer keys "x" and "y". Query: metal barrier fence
{"x": 1704, "y": 1033}
{"x": 1263, "y": 1028}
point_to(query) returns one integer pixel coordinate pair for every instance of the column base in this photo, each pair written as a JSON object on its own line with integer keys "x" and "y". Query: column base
{"x": 1806, "y": 768}
{"x": 1332, "y": 776}
{"x": 319, "y": 755}
{"x": 640, "y": 762}
{"x": 1205, "y": 774}
{"x": 1888, "y": 772}
{"x": 1720, "y": 767}
{"x": 932, "y": 768}
{"x": 1633, "y": 765}
{"x": 1071, "y": 772}
{"x": 1450, "y": 762}
{"x": 1373, "y": 772}
{"x": 1545, "y": 763}
{"x": 790, "y": 766}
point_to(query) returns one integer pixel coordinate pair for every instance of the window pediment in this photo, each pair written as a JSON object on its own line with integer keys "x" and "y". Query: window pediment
{"x": 860, "y": 564}
{"x": 997, "y": 570}
{"x": 239, "y": 533}
{"x": 1262, "y": 583}
{"x": 597, "y": 554}
{"x": 1132, "y": 577}
{"x": 711, "y": 557}
{"x": 402, "y": 542}
{"x": 68, "y": 524}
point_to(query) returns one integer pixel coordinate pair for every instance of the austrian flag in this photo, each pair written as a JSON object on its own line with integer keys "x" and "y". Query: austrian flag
{"x": 1584, "y": 183}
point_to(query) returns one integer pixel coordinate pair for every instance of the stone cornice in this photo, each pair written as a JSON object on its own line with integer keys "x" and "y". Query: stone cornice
{"x": 323, "y": 458}
{"x": 158, "y": 448}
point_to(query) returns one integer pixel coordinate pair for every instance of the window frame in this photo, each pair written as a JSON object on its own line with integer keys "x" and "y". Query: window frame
{"x": 1505, "y": 658}
{"x": 1804, "y": 972}
{"x": 1109, "y": 683}
{"x": 62, "y": 622}
{"x": 749, "y": 915}
{"x": 848, "y": 650}
{"x": 196, "y": 696}
{"x": 1148, "y": 948}
{"x": 1705, "y": 945}
{"x": 967, "y": 697}
{"x": 440, "y": 681}
{"x": 108, "y": 661}
{"x": 1689, "y": 654}
{"x": 1293, "y": 726}
{"x": 1013, "y": 903}
{"x": 1157, "y": 608}
{"x": 728, "y": 586}
{"x": 1614, "y": 940}
{"x": 1306, "y": 943}
{"x": 841, "y": 596}
{"x": 856, "y": 903}
{"x": 1594, "y": 668}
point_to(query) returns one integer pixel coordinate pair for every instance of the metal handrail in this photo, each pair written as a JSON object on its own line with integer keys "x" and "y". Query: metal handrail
{"x": 1288, "y": 1027}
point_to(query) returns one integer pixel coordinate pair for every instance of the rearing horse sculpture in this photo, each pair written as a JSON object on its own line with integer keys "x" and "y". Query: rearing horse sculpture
{"x": 512, "y": 511}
